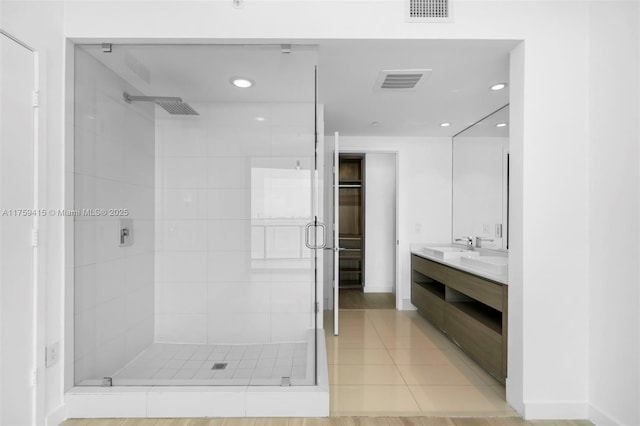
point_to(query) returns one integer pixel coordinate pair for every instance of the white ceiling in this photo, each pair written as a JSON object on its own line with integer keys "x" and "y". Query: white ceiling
{"x": 456, "y": 91}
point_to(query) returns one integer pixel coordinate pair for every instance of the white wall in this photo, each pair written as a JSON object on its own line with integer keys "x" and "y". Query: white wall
{"x": 424, "y": 181}
{"x": 231, "y": 265}
{"x": 380, "y": 223}
{"x": 614, "y": 347}
{"x": 40, "y": 24}
{"x": 17, "y": 255}
{"x": 550, "y": 125}
{"x": 114, "y": 169}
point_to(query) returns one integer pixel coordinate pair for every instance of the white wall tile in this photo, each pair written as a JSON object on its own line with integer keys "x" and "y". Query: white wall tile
{"x": 231, "y": 266}
{"x": 110, "y": 321}
{"x": 84, "y": 368}
{"x": 116, "y": 147}
{"x": 84, "y": 242}
{"x": 139, "y": 200}
{"x": 236, "y": 297}
{"x": 229, "y": 204}
{"x": 201, "y": 404}
{"x": 230, "y": 142}
{"x": 139, "y": 270}
{"x": 110, "y": 356}
{"x": 85, "y": 334}
{"x": 238, "y": 328}
{"x": 291, "y": 296}
{"x": 184, "y": 328}
{"x": 181, "y": 298}
{"x": 228, "y": 173}
{"x": 178, "y": 138}
{"x": 139, "y": 305}
{"x": 181, "y": 172}
{"x": 84, "y": 288}
{"x": 293, "y": 115}
{"x": 176, "y": 266}
{"x": 107, "y": 239}
{"x": 181, "y": 204}
{"x": 287, "y": 327}
{"x": 297, "y": 142}
{"x": 232, "y": 235}
{"x": 237, "y": 284}
{"x": 138, "y": 338}
{"x": 181, "y": 235}
{"x": 109, "y": 280}
{"x": 130, "y": 404}
{"x": 84, "y": 192}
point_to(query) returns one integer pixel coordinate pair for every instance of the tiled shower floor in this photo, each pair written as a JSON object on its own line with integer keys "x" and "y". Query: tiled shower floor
{"x": 190, "y": 364}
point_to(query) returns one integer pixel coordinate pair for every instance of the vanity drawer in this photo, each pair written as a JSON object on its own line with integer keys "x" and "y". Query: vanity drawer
{"x": 481, "y": 342}
{"x": 430, "y": 304}
{"x": 429, "y": 268}
{"x": 482, "y": 290}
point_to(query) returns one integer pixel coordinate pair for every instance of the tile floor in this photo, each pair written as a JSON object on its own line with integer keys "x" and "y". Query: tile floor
{"x": 395, "y": 363}
{"x": 189, "y": 364}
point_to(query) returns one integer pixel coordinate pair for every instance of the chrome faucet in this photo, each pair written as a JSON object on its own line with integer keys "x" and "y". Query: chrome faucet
{"x": 468, "y": 241}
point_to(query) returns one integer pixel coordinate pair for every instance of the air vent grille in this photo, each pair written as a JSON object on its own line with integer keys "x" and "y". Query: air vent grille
{"x": 429, "y": 11}
{"x": 401, "y": 81}
{"x": 405, "y": 80}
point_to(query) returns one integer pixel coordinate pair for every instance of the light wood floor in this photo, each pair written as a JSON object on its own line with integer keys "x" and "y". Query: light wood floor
{"x": 330, "y": 421}
{"x": 357, "y": 299}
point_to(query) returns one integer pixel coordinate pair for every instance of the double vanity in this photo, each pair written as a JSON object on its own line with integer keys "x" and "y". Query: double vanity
{"x": 462, "y": 289}
{"x": 464, "y": 293}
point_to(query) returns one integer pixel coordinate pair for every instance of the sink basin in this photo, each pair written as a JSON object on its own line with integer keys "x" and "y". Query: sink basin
{"x": 446, "y": 253}
{"x": 493, "y": 264}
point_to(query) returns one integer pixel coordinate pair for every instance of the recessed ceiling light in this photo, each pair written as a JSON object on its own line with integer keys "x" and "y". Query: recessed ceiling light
{"x": 498, "y": 86}
{"x": 260, "y": 119}
{"x": 241, "y": 82}
{"x": 501, "y": 125}
{"x": 374, "y": 123}
{"x": 445, "y": 124}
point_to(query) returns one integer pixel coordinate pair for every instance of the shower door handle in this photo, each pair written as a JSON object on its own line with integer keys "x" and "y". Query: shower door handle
{"x": 307, "y": 239}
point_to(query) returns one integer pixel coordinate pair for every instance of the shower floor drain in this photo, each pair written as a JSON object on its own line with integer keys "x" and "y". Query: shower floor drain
{"x": 219, "y": 366}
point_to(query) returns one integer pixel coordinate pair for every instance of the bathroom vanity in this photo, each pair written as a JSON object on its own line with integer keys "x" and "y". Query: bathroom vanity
{"x": 469, "y": 306}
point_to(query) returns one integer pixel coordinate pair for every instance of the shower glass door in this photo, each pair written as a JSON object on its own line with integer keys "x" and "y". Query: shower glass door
{"x": 195, "y": 202}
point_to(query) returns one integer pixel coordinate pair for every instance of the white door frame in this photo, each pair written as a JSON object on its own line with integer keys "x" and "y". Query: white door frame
{"x": 398, "y": 284}
{"x": 38, "y": 302}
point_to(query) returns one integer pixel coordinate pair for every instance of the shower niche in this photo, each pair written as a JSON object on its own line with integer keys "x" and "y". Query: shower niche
{"x": 218, "y": 286}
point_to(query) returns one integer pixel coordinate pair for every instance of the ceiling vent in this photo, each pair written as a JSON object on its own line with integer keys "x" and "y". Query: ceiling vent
{"x": 429, "y": 11}
{"x": 401, "y": 80}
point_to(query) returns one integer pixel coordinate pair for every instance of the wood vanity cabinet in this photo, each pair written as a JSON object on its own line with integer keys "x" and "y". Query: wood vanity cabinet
{"x": 470, "y": 309}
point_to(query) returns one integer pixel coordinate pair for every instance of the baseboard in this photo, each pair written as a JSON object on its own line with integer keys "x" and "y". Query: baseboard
{"x": 599, "y": 418}
{"x": 514, "y": 396}
{"x": 559, "y": 410}
{"x": 370, "y": 289}
{"x": 407, "y": 305}
{"x": 57, "y": 416}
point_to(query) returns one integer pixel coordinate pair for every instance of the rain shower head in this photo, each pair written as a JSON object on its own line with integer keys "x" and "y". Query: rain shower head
{"x": 173, "y": 105}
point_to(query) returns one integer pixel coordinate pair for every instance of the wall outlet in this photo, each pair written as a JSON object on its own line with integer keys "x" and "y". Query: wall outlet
{"x": 52, "y": 353}
{"x": 499, "y": 230}
{"x": 418, "y": 227}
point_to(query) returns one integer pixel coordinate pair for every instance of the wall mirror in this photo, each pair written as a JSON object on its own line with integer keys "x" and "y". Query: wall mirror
{"x": 480, "y": 182}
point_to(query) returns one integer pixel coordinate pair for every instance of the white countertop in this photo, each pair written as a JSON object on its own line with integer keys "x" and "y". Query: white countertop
{"x": 455, "y": 263}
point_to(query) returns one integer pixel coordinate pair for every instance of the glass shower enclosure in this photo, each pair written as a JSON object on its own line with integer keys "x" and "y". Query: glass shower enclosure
{"x": 195, "y": 207}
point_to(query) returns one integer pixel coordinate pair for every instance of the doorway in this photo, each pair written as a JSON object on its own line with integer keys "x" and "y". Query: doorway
{"x": 18, "y": 224}
{"x": 367, "y": 206}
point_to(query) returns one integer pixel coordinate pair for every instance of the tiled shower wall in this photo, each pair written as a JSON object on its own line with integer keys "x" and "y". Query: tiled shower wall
{"x": 114, "y": 169}
{"x": 232, "y": 199}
